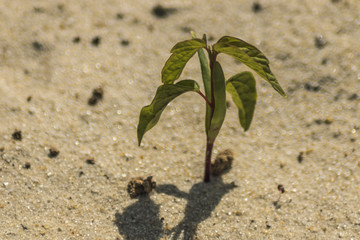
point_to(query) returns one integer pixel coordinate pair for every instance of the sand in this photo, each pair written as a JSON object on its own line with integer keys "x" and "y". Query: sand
{"x": 67, "y": 176}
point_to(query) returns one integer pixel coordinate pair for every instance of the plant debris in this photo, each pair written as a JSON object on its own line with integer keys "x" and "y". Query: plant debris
{"x": 222, "y": 162}
{"x": 140, "y": 185}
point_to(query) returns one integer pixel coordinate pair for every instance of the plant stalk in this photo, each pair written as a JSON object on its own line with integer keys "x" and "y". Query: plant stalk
{"x": 209, "y": 148}
{"x": 210, "y": 142}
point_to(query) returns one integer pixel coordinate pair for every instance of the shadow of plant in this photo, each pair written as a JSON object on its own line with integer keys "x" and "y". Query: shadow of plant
{"x": 140, "y": 220}
{"x": 201, "y": 201}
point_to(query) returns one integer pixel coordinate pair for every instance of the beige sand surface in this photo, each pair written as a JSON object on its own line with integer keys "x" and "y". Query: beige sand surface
{"x": 50, "y": 65}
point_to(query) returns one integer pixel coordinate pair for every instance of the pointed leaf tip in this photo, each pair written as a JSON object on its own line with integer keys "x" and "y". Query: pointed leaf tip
{"x": 250, "y": 56}
{"x": 181, "y": 53}
{"x": 150, "y": 114}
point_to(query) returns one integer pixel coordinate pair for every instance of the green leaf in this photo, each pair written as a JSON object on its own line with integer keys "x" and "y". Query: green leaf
{"x": 242, "y": 88}
{"x": 218, "y": 116}
{"x": 250, "y": 56}
{"x": 150, "y": 115}
{"x": 205, "y": 73}
{"x": 181, "y": 53}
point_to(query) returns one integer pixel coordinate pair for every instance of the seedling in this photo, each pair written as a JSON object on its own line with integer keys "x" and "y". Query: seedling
{"x": 242, "y": 86}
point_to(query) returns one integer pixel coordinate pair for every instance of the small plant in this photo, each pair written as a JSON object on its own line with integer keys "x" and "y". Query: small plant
{"x": 242, "y": 86}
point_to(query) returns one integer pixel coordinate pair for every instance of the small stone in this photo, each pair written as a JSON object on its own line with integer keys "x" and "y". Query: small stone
{"x": 27, "y": 165}
{"x": 90, "y": 161}
{"x": 96, "y": 41}
{"x": 312, "y": 88}
{"x": 161, "y": 12}
{"x": 76, "y": 40}
{"x": 38, "y": 46}
{"x": 281, "y": 188}
{"x": 320, "y": 42}
{"x": 53, "y": 153}
{"x": 222, "y": 162}
{"x": 119, "y": 16}
{"x": 125, "y": 42}
{"x": 257, "y": 7}
{"x": 300, "y": 157}
{"x": 97, "y": 95}
{"x": 140, "y": 185}
{"x": 17, "y": 136}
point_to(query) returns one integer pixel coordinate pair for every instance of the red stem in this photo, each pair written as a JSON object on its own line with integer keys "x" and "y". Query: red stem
{"x": 209, "y": 147}
{"x": 203, "y": 96}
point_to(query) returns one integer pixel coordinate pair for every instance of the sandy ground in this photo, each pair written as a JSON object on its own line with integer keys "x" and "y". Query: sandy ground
{"x": 54, "y": 53}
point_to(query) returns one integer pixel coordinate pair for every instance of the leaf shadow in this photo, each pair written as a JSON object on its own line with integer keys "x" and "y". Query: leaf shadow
{"x": 140, "y": 220}
{"x": 201, "y": 201}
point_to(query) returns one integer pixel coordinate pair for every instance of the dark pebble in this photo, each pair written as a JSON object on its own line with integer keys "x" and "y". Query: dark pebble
{"x": 320, "y": 42}
{"x": 96, "y": 96}
{"x": 161, "y": 12}
{"x": 27, "y": 165}
{"x": 90, "y": 161}
{"x": 256, "y": 7}
{"x": 17, "y": 135}
{"x": 76, "y": 40}
{"x": 119, "y": 16}
{"x": 353, "y": 97}
{"x": 38, "y": 46}
{"x": 300, "y": 157}
{"x": 125, "y": 42}
{"x": 312, "y": 88}
{"x": 96, "y": 41}
{"x": 281, "y": 188}
{"x": 53, "y": 153}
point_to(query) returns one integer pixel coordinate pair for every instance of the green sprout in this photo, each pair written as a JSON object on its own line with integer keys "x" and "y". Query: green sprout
{"x": 242, "y": 86}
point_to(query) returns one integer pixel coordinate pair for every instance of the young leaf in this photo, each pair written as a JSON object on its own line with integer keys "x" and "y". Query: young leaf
{"x": 181, "y": 53}
{"x": 219, "y": 112}
{"x": 150, "y": 114}
{"x": 242, "y": 88}
{"x": 250, "y": 56}
{"x": 205, "y": 73}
